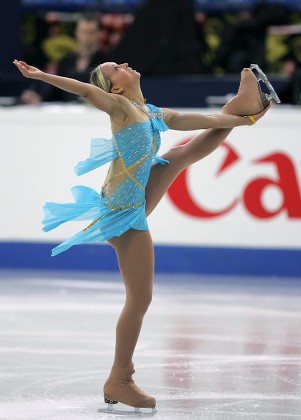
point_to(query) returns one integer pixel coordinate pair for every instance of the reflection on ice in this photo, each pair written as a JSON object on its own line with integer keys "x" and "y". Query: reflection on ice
{"x": 212, "y": 348}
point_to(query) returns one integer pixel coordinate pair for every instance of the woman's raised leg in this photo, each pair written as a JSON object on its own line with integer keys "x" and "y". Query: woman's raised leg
{"x": 162, "y": 176}
{"x": 248, "y": 101}
{"x": 135, "y": 255}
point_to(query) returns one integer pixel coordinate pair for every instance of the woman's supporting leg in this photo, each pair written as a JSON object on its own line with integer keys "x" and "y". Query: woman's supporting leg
{"x": 135, "y": 255}
{"x": 134, "y": 251}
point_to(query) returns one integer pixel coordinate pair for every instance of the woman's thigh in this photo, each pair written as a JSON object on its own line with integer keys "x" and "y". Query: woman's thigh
{"x": 135, "y": 253}
{"x": 162, "y": 176}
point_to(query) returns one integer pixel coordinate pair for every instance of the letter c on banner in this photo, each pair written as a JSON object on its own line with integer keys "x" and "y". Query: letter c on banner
{"x": 181, "y": 197}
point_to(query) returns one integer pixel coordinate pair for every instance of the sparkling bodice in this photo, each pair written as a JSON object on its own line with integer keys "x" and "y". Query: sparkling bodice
{"x": 131, "y": 152}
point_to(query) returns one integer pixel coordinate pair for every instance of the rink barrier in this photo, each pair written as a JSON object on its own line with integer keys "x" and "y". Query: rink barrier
{"x": 169, "y": 259}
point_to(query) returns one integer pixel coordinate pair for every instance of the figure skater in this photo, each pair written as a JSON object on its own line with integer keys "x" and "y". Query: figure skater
{"x": 136, "y": 181}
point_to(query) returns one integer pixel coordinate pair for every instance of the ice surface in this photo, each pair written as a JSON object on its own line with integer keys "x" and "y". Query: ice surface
{"x": 211, "y": 348}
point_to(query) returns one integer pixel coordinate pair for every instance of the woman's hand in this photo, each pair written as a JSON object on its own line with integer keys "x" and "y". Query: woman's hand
{"x": 28, "y": 71}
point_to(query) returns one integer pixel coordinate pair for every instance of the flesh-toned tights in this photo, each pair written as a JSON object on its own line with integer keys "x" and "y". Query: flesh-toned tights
{"x": 134, "y": 249}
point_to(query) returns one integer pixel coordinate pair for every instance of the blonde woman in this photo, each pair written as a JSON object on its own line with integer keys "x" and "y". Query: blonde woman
{"x": 136, "y": 181}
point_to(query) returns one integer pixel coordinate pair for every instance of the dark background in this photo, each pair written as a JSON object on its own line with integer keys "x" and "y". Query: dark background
{"x": 179, "y": 46}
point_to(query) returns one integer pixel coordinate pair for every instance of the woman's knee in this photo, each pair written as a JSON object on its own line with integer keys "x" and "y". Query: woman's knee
{"x": 146, "y": 301}
{"x": 141, "y": 301}
{"x": 177, "y": 156}
{"x": 143, "y": 304}
{"x": 175, "y": 152}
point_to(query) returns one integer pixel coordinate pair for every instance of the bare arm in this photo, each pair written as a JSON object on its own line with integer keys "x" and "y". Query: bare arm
{"x": 102, "y": 100}
{"x": 193, "y": 121}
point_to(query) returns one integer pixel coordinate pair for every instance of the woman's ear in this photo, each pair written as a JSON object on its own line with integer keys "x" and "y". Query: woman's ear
{"x": 117, "y": 90}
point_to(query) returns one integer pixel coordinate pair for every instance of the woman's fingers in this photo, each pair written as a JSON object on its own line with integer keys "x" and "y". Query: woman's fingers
{"x": 21, "y": 64}
{"x": 25, "y": 69}
{"x": 18, "y": 64}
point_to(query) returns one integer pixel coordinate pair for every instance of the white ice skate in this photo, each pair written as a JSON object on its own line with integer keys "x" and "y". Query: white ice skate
{"x": 261, "y": 76}
{"x": 145, "y": 412}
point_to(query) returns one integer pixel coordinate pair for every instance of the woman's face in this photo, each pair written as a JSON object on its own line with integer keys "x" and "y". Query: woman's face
{"x": 120, "y": 75}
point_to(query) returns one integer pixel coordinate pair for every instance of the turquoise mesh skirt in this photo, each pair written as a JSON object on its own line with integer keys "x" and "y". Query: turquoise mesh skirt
{"x": 89, "y": 205}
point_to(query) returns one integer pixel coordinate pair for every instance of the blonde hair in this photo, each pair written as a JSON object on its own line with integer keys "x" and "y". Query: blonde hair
{"x": 97, "y": 78}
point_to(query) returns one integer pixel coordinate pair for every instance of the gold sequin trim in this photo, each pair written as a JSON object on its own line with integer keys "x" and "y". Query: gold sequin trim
{"x": 92, "y": 224}
{"x": 133, "y": 206}
{"x": 126, "y": 169}
{"x": 155, "y": 144}
{"x": 130, "y": 206}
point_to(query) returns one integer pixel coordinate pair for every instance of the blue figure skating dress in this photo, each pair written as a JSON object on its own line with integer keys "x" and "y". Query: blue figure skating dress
{"x": 120, "y": 205}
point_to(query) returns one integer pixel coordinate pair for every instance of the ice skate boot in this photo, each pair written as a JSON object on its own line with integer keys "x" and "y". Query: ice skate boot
{"x": 260, "y": 75}
{"x": 250, "y": 100}
{"x": 120, "y": 387}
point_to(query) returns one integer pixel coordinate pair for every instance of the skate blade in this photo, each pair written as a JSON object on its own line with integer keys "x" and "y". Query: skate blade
{"x": 138, "y": 412}
{"x": 260, "y": 75}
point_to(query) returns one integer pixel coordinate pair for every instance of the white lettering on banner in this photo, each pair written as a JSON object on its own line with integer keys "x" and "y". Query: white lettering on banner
{"x": 286, "y": 182}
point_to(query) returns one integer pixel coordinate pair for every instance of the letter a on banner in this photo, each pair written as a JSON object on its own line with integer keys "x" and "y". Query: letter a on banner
{"x": 287, "y": 183}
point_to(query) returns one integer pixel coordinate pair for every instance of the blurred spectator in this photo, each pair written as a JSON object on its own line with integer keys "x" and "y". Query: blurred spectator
{"x": 244, "y": 41}
{"x": 77, "y": 64}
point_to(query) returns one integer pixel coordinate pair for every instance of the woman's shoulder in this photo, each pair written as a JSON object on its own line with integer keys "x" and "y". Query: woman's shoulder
{"x": 120, "y": 114}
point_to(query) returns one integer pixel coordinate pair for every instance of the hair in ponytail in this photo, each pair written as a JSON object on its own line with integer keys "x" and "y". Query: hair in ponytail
{"x": 97, "y": 78}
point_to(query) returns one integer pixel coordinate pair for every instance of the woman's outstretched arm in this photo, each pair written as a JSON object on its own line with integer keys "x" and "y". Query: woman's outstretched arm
{"x": 102, "y": 100}
{"x": 194, "y": 121}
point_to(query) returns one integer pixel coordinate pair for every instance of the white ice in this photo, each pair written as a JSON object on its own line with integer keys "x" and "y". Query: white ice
{"x": 211, "y": 348}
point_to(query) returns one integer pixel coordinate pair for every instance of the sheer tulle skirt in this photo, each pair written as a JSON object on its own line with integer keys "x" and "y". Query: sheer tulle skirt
{"x": 89, "y": 205}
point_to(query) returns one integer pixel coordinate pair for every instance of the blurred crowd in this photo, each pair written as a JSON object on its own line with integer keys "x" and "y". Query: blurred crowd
{"x": 177, "y": 40}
